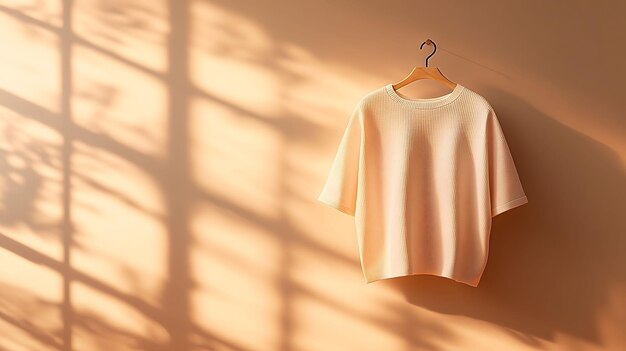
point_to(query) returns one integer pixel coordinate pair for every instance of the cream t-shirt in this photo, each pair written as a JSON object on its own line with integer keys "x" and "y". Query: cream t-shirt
{"x": 423, "y": 179}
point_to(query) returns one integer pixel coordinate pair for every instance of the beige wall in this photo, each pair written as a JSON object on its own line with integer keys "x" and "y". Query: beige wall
{"x": 160, "y": 162}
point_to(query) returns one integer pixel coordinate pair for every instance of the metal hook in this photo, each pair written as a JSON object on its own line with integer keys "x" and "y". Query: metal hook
{"x": 428, "y": 42}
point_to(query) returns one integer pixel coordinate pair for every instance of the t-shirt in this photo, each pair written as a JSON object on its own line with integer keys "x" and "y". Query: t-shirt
{"x": 423, "y": 179}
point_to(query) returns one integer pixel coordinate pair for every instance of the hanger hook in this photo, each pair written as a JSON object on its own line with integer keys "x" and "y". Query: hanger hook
{"x": 428, "y": 42}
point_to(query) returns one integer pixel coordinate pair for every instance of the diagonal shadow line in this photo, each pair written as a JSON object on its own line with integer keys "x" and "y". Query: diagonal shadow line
{"x": 29, "y": 20}
{"x": 271, "y": 225}
{"x": 73, "y": 38}
{"x": 31, "y": 330}
{"x": 154, "y": 313}
{"x": 35, "y": 112}
{"x": 112, "y": 55}
{"x": 53, "y": 121}
{"x": 237, "y": 109}
{"x": 36, "y": 257}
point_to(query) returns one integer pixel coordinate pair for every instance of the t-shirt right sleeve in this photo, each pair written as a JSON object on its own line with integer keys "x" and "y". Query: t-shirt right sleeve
{"x": 506, "y": 191}
{"x": 341, "y": 186}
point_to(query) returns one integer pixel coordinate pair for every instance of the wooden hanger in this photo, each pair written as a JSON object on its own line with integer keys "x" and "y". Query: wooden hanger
{"x": 420, "y": 72}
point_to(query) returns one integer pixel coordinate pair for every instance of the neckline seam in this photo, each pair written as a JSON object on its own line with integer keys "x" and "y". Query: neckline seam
{"x": 428, "y": 103}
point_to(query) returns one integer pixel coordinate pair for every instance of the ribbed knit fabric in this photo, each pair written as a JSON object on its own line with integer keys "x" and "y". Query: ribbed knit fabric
{"x": 423, "y": 179}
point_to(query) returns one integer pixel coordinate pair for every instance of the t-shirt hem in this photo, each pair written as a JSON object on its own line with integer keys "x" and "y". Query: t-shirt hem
{"x": 473, "y": 283}
{"x": 509, "y": 205}
{"x": 343, "y": 208}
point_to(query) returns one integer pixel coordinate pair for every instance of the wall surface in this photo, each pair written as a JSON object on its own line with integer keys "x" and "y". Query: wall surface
{"x": 160, "y": 162}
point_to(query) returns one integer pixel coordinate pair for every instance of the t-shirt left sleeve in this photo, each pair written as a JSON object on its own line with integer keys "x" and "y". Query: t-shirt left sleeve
{"x": 505, "y": 187}
{"x": 340, "y": 189}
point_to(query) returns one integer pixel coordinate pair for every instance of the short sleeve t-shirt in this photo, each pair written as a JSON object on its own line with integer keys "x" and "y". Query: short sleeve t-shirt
{"x": 423, "y": 179}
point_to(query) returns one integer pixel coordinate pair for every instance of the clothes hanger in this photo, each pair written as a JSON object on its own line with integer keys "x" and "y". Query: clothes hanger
{"x": 420, "y": 72}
